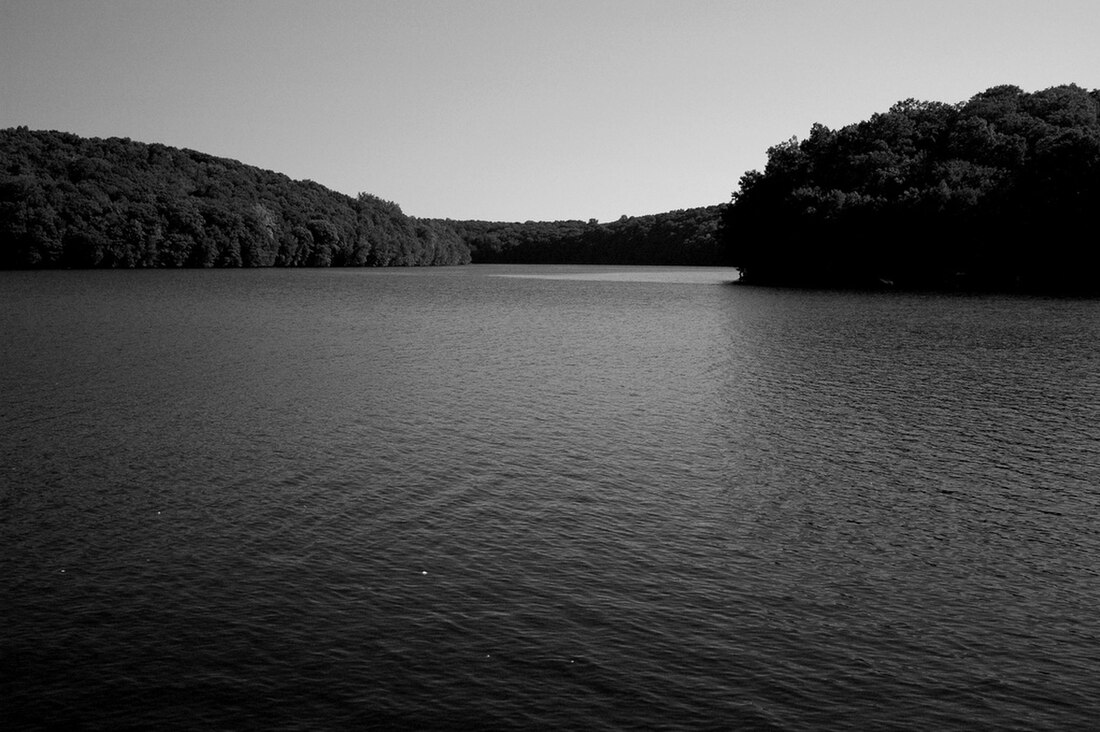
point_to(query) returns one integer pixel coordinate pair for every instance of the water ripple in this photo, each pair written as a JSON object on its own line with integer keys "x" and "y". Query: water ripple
{"x": 596, "y": 499}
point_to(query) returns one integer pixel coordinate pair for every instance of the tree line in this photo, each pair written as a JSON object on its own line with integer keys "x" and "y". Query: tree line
{"x": 998, "y": 191}
{"x": 681, "y": 237}
{"x": 68, "y": 201}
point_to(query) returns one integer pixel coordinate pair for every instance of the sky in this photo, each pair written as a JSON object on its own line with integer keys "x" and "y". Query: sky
{"x": 516, "y": 110}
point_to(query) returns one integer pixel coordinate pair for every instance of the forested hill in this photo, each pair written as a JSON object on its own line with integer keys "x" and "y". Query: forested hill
{"x": 682, "y": 237}
{"x": 999, "y": 191}
{"x": 68, "y": 201}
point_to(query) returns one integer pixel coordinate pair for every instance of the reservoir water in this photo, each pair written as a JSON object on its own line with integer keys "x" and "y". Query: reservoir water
{"x": 543, "y": 497}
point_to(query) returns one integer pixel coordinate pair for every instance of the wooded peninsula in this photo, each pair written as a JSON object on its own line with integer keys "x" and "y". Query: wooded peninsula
{"x": 998, "y": 191}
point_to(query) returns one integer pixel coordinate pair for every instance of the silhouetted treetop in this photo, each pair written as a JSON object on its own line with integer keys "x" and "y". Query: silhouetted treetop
{"x": 987, "y": 192}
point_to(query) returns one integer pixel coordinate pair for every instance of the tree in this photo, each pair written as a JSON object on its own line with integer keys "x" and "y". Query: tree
{"x": 86, "y": 202}
{"x": 927, "y": 193}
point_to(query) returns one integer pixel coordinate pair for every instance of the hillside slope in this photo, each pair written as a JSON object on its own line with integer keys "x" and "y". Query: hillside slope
{"x": 68, "y": 201}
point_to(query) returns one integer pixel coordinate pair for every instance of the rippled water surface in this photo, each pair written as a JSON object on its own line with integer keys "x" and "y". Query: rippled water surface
{"x": 556, "y": 497}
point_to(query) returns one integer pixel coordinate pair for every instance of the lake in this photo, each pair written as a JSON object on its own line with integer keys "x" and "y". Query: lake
{"x": 512, "y": 497}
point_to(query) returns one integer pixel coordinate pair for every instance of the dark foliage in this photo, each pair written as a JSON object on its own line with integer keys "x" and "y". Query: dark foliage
{"x": 68, "y": 201}
{"x": 683, "y": 237}
{"x": 999, "y": 191}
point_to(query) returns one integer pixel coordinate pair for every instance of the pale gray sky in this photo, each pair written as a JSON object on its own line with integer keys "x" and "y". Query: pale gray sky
{"x": 516, "y": 109}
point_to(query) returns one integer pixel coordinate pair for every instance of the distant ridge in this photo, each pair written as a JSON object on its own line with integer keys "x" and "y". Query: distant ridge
{"x": 683, "y": 237}
{"x": 73, "y": 202}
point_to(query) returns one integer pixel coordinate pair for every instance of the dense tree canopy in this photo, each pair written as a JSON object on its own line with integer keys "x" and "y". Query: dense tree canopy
{"x": 997, "y": 191}
{"x": 67, "y": 201}
{"x": 683, "y": 237}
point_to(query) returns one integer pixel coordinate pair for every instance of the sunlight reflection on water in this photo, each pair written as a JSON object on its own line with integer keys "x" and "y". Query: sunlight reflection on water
{"x": 670, "y": 275}
{"x": 543, "y": 497}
